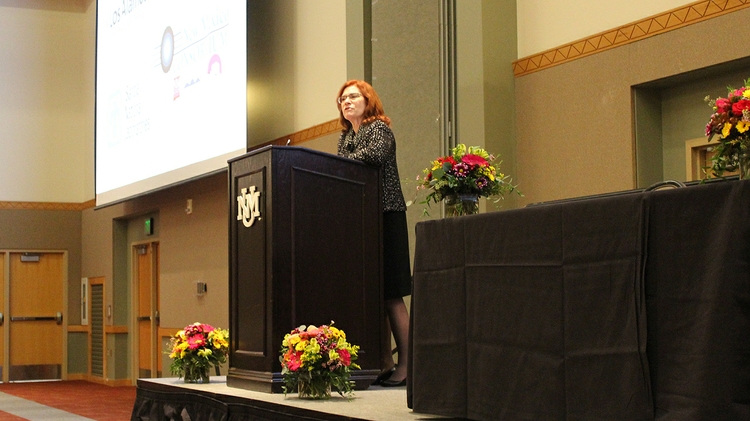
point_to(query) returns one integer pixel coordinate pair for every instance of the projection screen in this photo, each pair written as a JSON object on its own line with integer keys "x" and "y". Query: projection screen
{"x": 170, "y": 92}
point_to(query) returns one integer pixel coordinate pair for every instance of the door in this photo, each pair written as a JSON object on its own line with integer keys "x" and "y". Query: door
{"x": 146, "y": 272}
{"x": 35, "y": 319}
{"x": 2, "y": 316}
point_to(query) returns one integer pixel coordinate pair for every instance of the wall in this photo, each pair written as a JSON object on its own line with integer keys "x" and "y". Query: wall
{"x": 192, "y": 247}
{"x": 297, "y": 60}
{"x": 47, "y": 108}
{"x": 406, "y": 74}
{"x": 575, "y": 120}
{"x": 498, "y": 49}
{"x": 544, "y": 24}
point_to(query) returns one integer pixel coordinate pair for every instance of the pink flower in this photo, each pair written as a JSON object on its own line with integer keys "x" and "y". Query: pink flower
{"x": 723, "y": 105}
{"x": 196, "y": 341}
{"x": 472, "y": 159}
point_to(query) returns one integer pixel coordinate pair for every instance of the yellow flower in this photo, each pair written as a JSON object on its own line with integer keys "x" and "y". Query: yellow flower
{"x": 336, "y": 333}
{"x": 742, "y": 126}
{"x": 475, "y": 150}
{"x": 726, "y": 129}
{"x": 291, "y": 340}
{"x": 746, "y": 94}
{"x": 220, "y": 343}
{"x": 300, "y": 345}
{"x": 489, "y": 172}
{"x": 333, "y": 355}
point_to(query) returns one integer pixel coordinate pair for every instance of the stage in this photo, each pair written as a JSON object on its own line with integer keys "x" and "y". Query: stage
{"x": 172, "y": 399}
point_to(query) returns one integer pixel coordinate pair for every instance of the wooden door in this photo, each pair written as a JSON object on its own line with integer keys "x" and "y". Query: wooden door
{"x": 36, "y": 316}
{"x": 146, "y": 258}
{"x": 3, "y": 312}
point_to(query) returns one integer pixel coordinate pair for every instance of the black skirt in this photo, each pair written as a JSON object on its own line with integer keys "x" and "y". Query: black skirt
{"x": 396, "y": 265}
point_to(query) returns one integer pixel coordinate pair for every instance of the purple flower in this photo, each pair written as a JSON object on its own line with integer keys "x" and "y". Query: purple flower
{"x": 461, "y": 170}
{"x": 482, "y": 182}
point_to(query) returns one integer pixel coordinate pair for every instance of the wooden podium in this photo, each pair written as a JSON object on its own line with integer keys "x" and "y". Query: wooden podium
{"x": 305, "y": 248}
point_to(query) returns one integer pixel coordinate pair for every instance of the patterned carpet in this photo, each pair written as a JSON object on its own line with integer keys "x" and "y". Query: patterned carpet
{"x": 90, "y": 400}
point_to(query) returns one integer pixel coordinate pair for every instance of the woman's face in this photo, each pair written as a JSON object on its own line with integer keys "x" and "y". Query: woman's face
{"x": 352, "y": 104}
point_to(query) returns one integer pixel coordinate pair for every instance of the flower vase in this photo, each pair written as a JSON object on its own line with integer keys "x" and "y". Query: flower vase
{"x": 194, "y": 373}
{"x": 462, "y": 204}
{"x": 315, "y": 388}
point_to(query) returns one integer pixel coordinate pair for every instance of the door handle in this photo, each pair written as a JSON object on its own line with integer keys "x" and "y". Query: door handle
{"x": 2, "y": 319}
{"x": 144, "y": 318}
{"x": 57, "y": 318}
{"x": 157, "y": 317}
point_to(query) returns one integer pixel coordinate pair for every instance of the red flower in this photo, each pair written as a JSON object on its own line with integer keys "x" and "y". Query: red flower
{"x": 346, "y": 359}
{"x": 449, "y": 159}
{"x": 472, "y": 159}
{"x": 740, "y": 105}
{"x": 292, "y": 360}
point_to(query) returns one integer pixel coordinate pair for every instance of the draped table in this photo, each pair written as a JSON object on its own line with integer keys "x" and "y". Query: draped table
{"x": 634, "y": 306}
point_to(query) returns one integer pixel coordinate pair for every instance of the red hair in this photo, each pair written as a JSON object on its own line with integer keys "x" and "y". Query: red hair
{"x": 373, "y": 106}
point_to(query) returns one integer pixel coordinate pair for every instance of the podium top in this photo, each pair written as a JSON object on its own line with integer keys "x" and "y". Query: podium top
{"x": 280, "y": 148}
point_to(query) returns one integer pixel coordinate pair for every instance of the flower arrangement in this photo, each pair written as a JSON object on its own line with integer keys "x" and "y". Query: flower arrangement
{"x": 195, "y": 349}
{"x": 465, "y": 171}
{"x": 731, "y": 121}
{"x": 315, "y": 360}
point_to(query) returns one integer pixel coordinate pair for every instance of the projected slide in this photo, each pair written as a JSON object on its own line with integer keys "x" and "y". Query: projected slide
{"x": 170, "y": 92}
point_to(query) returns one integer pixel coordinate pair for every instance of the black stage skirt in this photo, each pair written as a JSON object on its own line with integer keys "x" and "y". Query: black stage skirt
{"x": 396, "y": 266}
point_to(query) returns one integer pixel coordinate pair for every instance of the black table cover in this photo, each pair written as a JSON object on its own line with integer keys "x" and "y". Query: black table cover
{"x": 698, "y": 302}
{"x": 627, "y": 307}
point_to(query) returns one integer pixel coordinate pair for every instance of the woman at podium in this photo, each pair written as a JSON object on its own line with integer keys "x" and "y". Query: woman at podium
{"x": 367, "y": 137}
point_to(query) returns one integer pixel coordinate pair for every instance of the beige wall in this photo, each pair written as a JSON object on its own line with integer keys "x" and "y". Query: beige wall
{"x": 47, "y": 108}
{"x": 193, "y": 247}
{"x": 297, "y": 61}
{"x": 544, "y": 24}
{"x": 575, "y": 125}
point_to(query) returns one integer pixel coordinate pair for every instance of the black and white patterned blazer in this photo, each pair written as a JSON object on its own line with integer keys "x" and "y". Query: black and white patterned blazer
{"x": 375, "y": 144}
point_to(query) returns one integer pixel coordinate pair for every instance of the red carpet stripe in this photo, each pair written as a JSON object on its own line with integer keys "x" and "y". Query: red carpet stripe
{"x": 90, "y": 400}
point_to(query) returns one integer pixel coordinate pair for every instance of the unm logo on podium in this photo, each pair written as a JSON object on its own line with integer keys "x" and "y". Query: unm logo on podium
{"x": 248, "y": 206}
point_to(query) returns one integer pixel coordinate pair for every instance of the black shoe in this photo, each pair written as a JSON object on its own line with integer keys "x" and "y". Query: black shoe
{"x": 384, "y": 376}
{"x": 393, "y": 383}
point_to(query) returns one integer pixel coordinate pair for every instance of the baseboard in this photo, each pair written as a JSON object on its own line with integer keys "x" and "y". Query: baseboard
{"x": 99, "y": 380}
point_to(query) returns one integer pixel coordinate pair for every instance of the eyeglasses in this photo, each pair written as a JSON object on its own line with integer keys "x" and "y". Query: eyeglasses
{"x": 351, "y": 97}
